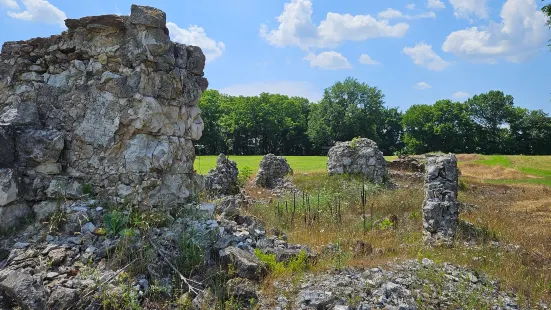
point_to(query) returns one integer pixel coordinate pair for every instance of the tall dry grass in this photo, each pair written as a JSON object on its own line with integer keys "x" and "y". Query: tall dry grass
{"x": 515, "y": 214}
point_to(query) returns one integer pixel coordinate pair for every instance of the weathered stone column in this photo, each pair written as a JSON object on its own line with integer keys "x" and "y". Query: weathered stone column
{"x": 440, "y": 208}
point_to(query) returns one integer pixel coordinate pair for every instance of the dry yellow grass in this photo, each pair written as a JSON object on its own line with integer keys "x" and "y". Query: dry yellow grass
{"x": 482, "y": 172}
{"x": 516, "y": 214}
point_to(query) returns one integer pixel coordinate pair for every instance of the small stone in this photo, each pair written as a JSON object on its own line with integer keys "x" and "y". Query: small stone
{"x": 427, "y": 262}
{"x": 21, "y": 245}
{"x": 88, "y": 228}
{"x": 51, "y": 275}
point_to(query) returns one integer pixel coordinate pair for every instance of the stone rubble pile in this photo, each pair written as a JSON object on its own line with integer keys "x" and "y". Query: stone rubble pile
{"x": 407, "y": 285}
{"x": 222, "y": 180}
{"x": 440, "y": 207}
{"x": 358, "y": 157}
{"x": 407, "y": 163}
{"x": 272, "y": 170}
{"x": 109, "y": 105}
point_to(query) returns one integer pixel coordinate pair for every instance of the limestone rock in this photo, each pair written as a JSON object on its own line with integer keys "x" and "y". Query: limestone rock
{"x": 62, "y": 298}
{"x": 7, "y": 141}
{"x": 222, "y": 180}
{"x": 25, "y": 290}
{"x": 110, "y": 102}
{"x": 12, "y": 215}
{"x": 360, "y": 157}
{"x": 440, "y": 207}
{"x": 272, "y": 169}
{"x": 247, "y": 265}
{"x": 147, "y": 16}
{"x": 39, "y": 146}
{"x": 242, "y": 289}
{"x": 64, "y": 187}
{"x": 8, "y": 186}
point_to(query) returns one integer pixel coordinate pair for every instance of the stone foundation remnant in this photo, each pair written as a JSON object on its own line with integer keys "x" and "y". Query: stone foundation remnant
{"x": 440, "y": 207}
{"x": 110, "y": 105}
{"x": 222, "y": 180}
{"x": 272, "y": 170}
{"x": 407, "y": 163}
{"x": 361, "y": 157}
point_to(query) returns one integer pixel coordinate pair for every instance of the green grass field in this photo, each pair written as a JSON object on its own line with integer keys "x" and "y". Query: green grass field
{"x": 537, "y": 168}
{"x": 299, "y": 163}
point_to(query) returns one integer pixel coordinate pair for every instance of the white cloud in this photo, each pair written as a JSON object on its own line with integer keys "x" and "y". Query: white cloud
{"x": 392, "y": 13}
{"x": 521, "y": 32}
{"x": 435, "y": 4}
{"x": 12, "y": 4}
{"x": 39, "y": 11}
{"x": 423, "y": 55}
{"x": 410, "y": 6}
{"x": 466, "y": 8}
{"x": 197, "y": 36}
{"x": 422, "y": 85}
{"x": 366, "y": 60}
{"x": 460, "y": 95}
{"x": 289, "y": 88}
{"x": 328, "y": 60}
{"x": 297, "y": 28}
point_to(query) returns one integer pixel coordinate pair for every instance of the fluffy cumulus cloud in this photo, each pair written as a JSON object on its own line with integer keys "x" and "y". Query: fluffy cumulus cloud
{"x": 468, "y": 8}
{"x": 423, "y": 55}
{"x": 289, "y": 88}
{"x": 328, "y": 60}
{"x": 12, "y": 4}
{"x": 460, "y": 95}
{"x": 521, "y": 32}
{"x": 422, "y": 85}
{"x": 392, "y": 13}
{"x": 37, "y": 11}
{"x": 435, "y": 4}
{"x": 366, "y": 60}
{"x": 296, "y": 28}
{"x": 195, "y": 35}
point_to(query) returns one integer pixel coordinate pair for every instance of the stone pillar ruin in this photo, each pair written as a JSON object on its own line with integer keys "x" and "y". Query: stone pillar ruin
{"x": 110, "y": 105}
{"x": 440, "y": 207}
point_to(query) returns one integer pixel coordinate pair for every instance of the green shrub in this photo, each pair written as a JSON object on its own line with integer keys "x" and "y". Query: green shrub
{"x": 296, "y": 265}
{"x": 115, "y": 222}
{"x": 244, "y": 175}
{"x": 385, "y": 224}
{"x": 192, "y": 254}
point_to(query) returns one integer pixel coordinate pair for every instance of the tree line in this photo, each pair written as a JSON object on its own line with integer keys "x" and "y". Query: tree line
{"x": 487, "y": 123}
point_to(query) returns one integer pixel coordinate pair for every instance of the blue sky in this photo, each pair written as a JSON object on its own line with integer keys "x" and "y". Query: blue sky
{"x": 414, "y": 51}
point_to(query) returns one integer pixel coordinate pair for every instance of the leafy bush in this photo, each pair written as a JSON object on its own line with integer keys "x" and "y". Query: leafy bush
{"x": 292, "y": 266}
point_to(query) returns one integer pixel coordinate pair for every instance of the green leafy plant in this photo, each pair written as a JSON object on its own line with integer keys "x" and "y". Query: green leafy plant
{"x": 115, "y": 222}
{"x": 293, "y": 266}
{"x": 244, "y": 175}
{"x": 88, "y": 189}
{"x": 192, "y": 254}
{"x": 385, "y": 224}
{"x": 354, "y": 142}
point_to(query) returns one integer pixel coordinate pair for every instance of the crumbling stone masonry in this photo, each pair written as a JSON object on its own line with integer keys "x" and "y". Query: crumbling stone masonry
{"x": 440, "y": 207}
{"x": 359, "y": 157}
{"x": 111, "y": 103}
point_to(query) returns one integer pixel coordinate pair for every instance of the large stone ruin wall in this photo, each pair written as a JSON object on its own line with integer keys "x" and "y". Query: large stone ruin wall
{"x": 111, "y": 104}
